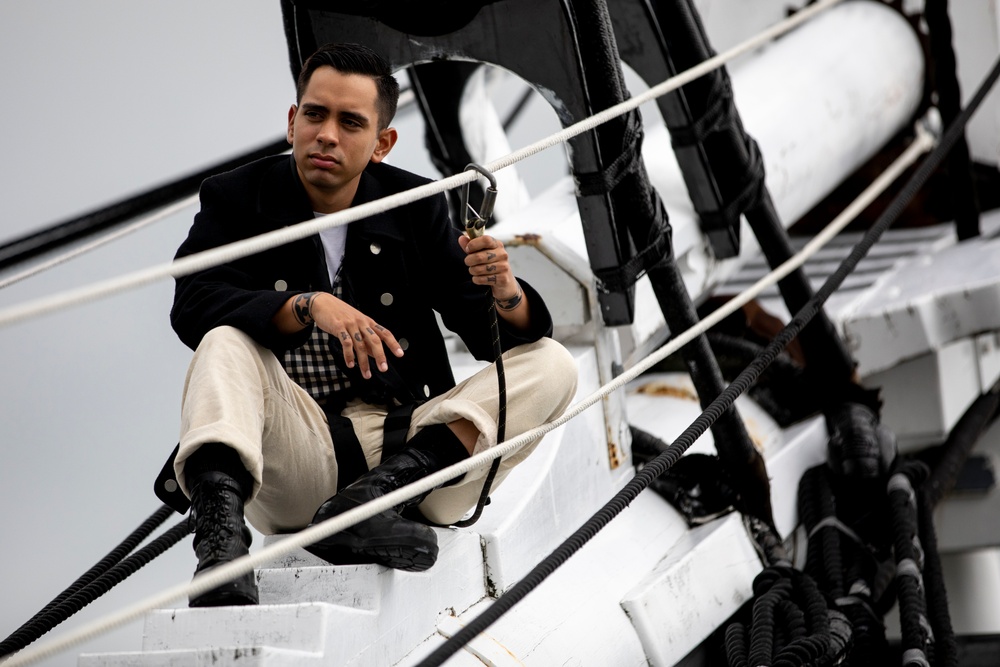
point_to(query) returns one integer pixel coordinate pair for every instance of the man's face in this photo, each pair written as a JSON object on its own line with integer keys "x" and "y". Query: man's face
{"x": 334, "y": 134}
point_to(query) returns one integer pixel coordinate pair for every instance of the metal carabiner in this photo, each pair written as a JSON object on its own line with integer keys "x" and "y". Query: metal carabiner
{"x": 476, "y": 223}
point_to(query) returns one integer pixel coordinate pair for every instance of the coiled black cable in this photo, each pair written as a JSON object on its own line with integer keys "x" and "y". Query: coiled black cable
{"x": 842, "y": 563}
{"x": 818, "y": 513}
{"x": 724, "y": 401}
{"x": 959, "y": 445}
{"x": 917, "y": 634}
{"x": 501, "y": 415}
{"x": 791, "y": 624}
{"x": 946, "y": 647}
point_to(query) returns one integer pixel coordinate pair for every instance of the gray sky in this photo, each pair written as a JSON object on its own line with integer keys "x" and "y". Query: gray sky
{"x": 102, "y": 99}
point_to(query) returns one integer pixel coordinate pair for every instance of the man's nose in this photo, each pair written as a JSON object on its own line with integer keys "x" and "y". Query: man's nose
{"x": 328, "y": 133}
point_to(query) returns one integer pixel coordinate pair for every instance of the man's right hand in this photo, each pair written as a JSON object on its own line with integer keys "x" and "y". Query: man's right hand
{"x": 359, "y": 335}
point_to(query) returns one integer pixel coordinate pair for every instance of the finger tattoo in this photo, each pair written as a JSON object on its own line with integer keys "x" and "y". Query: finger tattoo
{"x": 358, "y": 337}
{"x": 379, "y": 327}
{"x": 491, "y": 279}
{"x": 490, "y": 268}
{"x": 344, "y": 336}
{"x": 490, "y": 255}
{"x": 370, "y": 331}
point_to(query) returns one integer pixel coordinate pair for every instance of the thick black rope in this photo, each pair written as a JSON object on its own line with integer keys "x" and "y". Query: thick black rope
{"x": 782, "y": 391}
{"x": 724, "y": 401}
{"x": 946, "y": 647}
{"x": 818, "y": 511}
{"x": 65, "y": 606}
{"x": 791, "y": 626}
{"x": 113, "y": 557}
{"x": 917, "y": 634}
{"x": 843, "y": 563}
{"x": 860, "y": 575}
{"x": 959, "y": 445}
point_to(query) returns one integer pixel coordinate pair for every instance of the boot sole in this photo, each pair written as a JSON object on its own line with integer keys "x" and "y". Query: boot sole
{"x": 241, "y": 592}
{"x": 417, "y": 556}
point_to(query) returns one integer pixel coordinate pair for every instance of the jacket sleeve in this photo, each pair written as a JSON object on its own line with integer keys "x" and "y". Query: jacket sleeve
{"x": 230, "y": 294}
{"x": 463, "y": 305}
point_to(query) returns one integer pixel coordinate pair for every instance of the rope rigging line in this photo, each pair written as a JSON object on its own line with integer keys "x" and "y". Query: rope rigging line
{"x": 875, "y": 547}
{"x": 246, "y": 247}
{"x": 141, "y": 223}
{"x": 13, "y": 642}
{"x": 55, "y": 613}
{"x": 224, "y": 573}
{"x": 726, "y": 399}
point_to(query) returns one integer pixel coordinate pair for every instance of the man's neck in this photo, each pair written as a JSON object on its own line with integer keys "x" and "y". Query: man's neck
{"x": 331, "y": 201}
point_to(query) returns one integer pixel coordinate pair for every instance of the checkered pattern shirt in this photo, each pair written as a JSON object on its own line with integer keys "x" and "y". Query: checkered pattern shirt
{"x": 313, "y": 366}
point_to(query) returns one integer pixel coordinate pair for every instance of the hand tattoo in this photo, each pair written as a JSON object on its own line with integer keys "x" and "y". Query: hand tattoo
{"x": 344, "y": 336}
{"x": 370, "y": 331}
{"x": 490, "y": 268}
{"x": 490, "y": 255}
{"x": 358, "y": 337}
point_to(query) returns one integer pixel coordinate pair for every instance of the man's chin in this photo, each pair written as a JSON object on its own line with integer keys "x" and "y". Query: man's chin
{"x": 324, "y": 180}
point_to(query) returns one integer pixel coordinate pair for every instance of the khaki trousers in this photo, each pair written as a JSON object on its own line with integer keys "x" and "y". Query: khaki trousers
{"x": 237, "y": 393}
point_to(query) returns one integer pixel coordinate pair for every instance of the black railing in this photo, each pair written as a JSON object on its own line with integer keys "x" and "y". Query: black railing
{"x": 31, "y": 245}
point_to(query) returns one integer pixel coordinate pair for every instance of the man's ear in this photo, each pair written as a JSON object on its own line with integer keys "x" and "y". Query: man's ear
{"x": 386, "y": 140}
{"x": 290, "y": 133}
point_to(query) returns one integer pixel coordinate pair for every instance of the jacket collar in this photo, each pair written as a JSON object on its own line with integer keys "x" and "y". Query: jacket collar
{"x": 283, "y": 199}
{"x": 380, "y": 224}
{"x": 281, "y": 196}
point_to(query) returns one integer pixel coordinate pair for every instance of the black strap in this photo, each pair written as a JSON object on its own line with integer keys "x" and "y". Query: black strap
{"x": 751, "y": 190}
{"x": 604, "y": 181}
{"x": 351, "y": 462}
{"x": 395, "y": 428}
{"x": 620, "y": 278}
{"x": 720, "y": 113}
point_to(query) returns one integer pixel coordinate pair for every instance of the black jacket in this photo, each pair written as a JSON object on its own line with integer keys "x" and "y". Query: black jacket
{"x": 399, "y": 267}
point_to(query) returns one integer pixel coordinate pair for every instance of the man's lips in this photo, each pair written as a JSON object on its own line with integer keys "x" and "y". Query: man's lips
{"x": 323, "y": 161}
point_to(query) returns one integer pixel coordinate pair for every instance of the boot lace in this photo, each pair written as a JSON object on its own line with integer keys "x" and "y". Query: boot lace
{"x": 214, "y": 523}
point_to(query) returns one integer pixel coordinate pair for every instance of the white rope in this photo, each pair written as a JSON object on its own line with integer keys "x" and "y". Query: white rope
{"x": 165, "y": 212}
{"x": 924, "y": 141}
{"x": 222, "y": 254}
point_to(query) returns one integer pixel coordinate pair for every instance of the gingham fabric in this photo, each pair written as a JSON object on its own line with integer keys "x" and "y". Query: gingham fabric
{"x": 313, "y": 366}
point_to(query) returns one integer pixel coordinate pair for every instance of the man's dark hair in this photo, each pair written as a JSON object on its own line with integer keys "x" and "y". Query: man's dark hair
{"x": 355, "y": 59}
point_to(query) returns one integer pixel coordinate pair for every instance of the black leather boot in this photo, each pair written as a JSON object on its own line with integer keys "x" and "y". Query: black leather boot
{"x": 220, "y": 535}
{"x": 387, "y": 538}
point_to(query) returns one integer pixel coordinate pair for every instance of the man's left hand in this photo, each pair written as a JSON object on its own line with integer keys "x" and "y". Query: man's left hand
{"x": 488, "y": 265}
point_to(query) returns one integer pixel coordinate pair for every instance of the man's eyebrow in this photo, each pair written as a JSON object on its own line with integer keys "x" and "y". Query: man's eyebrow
{"x": 358, "y": 116}
{"x": 312, "y": 106}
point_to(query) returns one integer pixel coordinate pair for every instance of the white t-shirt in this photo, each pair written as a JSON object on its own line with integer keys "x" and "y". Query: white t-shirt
{"x": 334, "y": 243}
